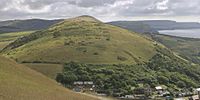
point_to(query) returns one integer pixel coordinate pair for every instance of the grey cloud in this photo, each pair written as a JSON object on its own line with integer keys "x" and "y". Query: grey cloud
{"x": 91, "y": 3}
{"x": 11, "y": 9}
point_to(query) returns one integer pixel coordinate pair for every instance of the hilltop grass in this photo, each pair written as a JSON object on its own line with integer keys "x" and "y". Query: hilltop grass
{"x": 82, "y": 40}
{"x": 18, "y": 82}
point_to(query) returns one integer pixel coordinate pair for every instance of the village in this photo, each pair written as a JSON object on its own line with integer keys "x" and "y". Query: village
{"x": 157, "y": 93}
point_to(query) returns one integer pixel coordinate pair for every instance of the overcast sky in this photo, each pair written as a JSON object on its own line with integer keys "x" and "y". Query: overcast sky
{"x": 105, "y": 10}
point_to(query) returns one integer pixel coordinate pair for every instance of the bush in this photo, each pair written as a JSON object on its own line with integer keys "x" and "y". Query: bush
{"x": 121, "y": 58}
{"x": 181, "y": 84}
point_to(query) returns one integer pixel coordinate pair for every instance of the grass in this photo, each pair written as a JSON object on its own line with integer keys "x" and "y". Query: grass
{"x": 17, "y": 82}
{"x": 50, "y": 70}
{"x": 83, "y": 39}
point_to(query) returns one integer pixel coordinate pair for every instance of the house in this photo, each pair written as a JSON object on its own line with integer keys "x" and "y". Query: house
{"x": 195, "y": 97}
{"x": 159, "y": 89}
{"x": 78, "y": 86}
{"x": 82, "y": 86}
{"x": 197, "y": 91}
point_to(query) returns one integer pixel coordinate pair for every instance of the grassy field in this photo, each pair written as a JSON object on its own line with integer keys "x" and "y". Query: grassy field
{"x": 83, "y": 39}
{"x": 50, "y": 70}
{"x": 187, "y": 48}
{"x": 6, "y": 38}
{"x": 18, "y": 82}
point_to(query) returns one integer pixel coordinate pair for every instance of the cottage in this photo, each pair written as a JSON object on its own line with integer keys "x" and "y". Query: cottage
{"x": 82, "y": 86}
{"x": 159, "y": 89}
{"x": 195, "y": 97}
{"x": 198, "y": 93}
{"x": 78, "y": 86}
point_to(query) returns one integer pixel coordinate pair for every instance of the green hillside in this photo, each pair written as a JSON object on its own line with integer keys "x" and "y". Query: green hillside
{"x": 82, "y": 39}
{"x": 18, "y": 82}
{"x": 116, "y": 59}
{"x": 6, "y": 38}
{"x": 187, "y": 48}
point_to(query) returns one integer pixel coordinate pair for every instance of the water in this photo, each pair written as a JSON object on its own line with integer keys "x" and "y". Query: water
{"x": 191, "y": 33}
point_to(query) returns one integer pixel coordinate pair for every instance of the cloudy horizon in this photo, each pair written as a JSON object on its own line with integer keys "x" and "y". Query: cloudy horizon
{"x": 105, "y": 10}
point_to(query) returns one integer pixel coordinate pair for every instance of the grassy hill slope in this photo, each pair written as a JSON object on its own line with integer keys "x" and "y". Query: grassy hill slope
{"x": 82, "y": 39}
{"x": 187, "y": 48}
{"x": 6, "y": 38}
{"x": 18, "y": 82}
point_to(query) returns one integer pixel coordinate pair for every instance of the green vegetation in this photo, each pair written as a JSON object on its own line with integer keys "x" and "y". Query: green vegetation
{"x": 116, "y": 59}
{"x": 17, "y": 82}
{"x": 164, "y": 68}
{"x": 82, "y": 39}
{"x": 187, "y": 48}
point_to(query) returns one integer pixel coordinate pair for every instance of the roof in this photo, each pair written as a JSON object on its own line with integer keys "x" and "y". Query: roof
{"x": 83, "y": 83}
{"x": 158, "y": 88}
{"x": 78, "y": 83}
{"x": 198, "y": 89}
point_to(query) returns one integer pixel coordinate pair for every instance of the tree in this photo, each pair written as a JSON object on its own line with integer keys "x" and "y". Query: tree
{"x": 60, "y": 78}
{"x": 181, "y": 84}
{"x": 163, "y": 79}
{"x": 69, "y": 77}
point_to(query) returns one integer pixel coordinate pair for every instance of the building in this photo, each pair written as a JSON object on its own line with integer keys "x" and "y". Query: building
{"x": 83, "y": 86}
{"x": 159, "y": 89}
{"x": 197, "y": 91}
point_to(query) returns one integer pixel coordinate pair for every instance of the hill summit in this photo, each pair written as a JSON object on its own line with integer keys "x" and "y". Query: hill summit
{"x": 82, "y": 39}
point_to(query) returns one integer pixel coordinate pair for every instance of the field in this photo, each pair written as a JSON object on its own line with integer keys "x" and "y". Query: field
{"x": 17, "y": 82}
{"x": 50, "y": 70}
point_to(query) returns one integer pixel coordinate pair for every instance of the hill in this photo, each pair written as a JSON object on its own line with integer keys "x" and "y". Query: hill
{"x": 187, "y": 48}
{"x": 17, "y": 82}
{"x": 134, "y": 26}
{"x": 152, "y": 26}
{"x": 171, "y": 25}
{"x": 6, "y": 38}
{"x": 82, "y": 39}
{"x": 115, "y": 59}
{"x": 25, "y": 25}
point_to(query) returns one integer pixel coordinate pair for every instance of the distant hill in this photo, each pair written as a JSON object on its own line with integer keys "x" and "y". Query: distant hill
{"x": 134, "y": 26}
{"x": 25, "y": 25}
{"x": 18, "y": 82}
{"x": 82, "y": 39}
{"x": 153, "y": 26}
{"x": 170, "y": 25}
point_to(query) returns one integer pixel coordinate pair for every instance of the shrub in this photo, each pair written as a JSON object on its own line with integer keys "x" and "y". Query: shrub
{"x": 121, "y": 58}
